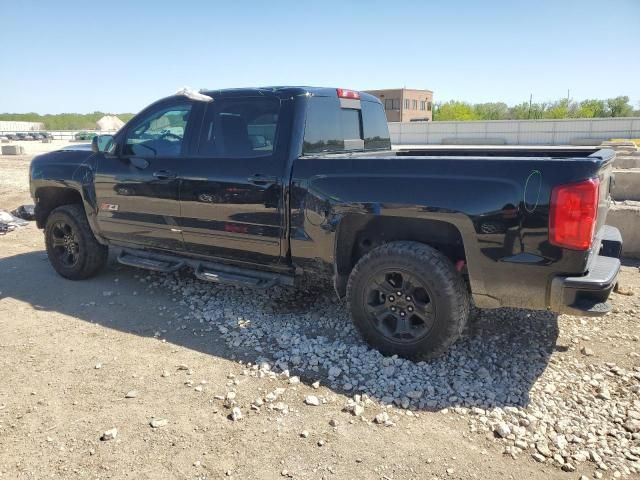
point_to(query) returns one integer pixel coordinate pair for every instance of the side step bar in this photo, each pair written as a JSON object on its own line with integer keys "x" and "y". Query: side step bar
{"x": 235, "y": 278}
{"x": 143, "y": 261}
{"x": 206, "y": 271}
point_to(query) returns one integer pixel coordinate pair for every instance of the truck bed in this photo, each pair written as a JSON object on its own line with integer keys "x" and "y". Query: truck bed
{"x": 498, "y": 199}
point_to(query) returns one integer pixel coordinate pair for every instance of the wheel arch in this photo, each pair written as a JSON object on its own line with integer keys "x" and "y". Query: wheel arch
{"x": 358, "y": 234}
{"x": 50, "y": 198}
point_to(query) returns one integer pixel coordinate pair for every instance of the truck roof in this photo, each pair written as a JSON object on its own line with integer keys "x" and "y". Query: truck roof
{"x": 282, "y": 91}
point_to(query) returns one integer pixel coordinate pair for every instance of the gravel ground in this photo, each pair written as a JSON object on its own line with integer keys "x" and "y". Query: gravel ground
{"x": 502, "y": 377}
{"x": 147, "y": 376}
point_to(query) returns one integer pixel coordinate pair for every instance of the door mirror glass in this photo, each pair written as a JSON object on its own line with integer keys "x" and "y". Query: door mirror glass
{"x": 101, "y": 143}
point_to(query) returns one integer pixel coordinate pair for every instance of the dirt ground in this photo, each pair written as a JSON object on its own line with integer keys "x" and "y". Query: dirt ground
{"x": 70, "y": 352}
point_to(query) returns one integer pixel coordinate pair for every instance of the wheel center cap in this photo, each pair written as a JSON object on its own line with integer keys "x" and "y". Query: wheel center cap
{"x": 401, "y": 302}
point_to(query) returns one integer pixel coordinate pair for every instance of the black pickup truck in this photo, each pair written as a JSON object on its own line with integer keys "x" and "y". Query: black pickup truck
{"x": 267, "y": 186}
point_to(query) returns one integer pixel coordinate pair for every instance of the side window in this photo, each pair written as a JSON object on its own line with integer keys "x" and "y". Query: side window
{"x": 242, "y": 127}
{"x": 160, "y": 134}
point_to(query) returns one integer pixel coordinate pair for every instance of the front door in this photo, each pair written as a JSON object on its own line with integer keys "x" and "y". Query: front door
{"x": 231, "y": 189}
{"x": 137, "y": 185}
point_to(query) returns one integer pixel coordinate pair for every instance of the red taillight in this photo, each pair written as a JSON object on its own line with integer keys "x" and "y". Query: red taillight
{"x": 342, "y": 93}
{"x": 573, "y": 212}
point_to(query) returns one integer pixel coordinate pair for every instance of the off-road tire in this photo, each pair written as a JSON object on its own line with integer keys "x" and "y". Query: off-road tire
{"x": 447, "y": 291}
{"x": 91, "y": 255}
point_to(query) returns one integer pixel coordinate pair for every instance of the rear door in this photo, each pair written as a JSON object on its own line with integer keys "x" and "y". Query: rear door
{"x": 231, "y": 191}
{"x": 137, "y": 186}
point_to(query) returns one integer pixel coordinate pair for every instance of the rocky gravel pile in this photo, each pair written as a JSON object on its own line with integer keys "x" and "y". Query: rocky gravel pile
{"x": 511, "y": 376}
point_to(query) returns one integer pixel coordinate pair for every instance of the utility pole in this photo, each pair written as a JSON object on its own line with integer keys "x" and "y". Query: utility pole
{"x": 530, "y": 100}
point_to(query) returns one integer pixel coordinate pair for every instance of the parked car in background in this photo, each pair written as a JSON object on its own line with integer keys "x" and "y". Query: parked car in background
{"x": 267, "y": 186}
{"x": 84, "y": 136}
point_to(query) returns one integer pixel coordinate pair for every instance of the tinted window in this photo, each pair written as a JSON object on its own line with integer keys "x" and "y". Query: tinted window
{"x": 243, "y": 127}
{"x": 350, "y": 123}
{"x": 323, "y": 126}
{"x": 158, "y": 134}
{"x": 328, "y": 126}
{"x": 375, "y": 128}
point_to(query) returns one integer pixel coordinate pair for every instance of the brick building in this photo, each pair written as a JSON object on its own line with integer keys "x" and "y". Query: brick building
{"x": 406, "y": 104}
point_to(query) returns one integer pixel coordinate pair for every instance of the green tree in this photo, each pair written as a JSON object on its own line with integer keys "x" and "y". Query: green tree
{"x": 454, "y": 110}
{"x": 525, "y": 111}
{"x": 491, "y": 111}
{"x": 559, "y": 109}
{"x": 619, "y": 107}
{"x": 592, "y": 108}
{"x": 63, "y": 121}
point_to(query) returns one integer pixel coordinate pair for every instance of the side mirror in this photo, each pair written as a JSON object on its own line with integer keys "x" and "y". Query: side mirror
{"x": 101, "y": 143}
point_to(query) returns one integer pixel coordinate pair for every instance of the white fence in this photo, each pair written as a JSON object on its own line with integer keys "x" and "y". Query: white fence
{"x": 514, "y": 132}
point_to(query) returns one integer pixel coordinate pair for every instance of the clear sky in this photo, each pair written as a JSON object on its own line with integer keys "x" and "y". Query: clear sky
{"x": 118, "y": 56}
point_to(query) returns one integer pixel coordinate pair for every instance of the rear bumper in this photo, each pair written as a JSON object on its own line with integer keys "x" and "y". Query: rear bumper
{"x": 587, "y": 295}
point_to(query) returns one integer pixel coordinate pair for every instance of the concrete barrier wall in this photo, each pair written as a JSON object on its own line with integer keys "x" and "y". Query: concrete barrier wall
{"x": 515, "y": 132}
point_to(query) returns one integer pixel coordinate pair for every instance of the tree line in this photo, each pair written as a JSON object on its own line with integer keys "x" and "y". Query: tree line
{"x": 565, "y": 108}
{"x": 63, "y": 121}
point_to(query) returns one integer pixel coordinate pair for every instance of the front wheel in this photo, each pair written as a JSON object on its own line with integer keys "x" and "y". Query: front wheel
{"x": 72, "y": 248}
{"x": 407, "y": 298}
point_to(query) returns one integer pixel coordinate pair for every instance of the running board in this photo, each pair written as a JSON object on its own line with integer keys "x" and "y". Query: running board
{"x": 239, "y": 278}
{"x": 149, "y": 263}
{"x": 206, "y": 271}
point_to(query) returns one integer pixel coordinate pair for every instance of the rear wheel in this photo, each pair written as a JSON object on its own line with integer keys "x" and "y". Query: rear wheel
{"x": 72, "y": 248}
{"x": 406, "y": 298}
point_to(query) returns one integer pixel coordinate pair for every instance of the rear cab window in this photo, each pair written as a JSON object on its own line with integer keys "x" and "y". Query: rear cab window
{"x": 341, "y": 125}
